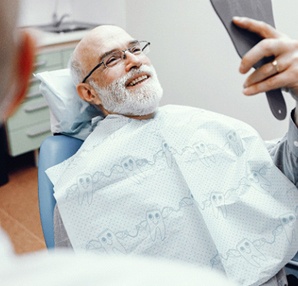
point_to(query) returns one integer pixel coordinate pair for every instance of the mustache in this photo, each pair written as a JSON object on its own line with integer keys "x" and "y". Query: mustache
{"x": 142, "y": 69}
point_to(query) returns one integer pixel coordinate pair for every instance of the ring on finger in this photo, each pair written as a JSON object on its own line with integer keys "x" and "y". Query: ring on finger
{"x": 275, "y": 65}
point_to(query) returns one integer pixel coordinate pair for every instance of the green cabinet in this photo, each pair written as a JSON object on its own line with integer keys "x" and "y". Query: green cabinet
{"x": 30, "y": 124}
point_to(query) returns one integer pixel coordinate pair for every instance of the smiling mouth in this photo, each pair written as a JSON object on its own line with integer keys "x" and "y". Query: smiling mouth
{"x": 138, "y": 80}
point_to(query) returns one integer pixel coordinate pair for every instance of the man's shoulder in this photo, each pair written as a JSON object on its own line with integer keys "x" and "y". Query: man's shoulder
{"x": 203, "y": 115}
{"x": 173, "y": 108}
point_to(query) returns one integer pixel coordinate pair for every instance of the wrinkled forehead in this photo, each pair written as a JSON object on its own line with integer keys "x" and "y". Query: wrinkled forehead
{"x": 101, "y": 40}
{"x": 106, "y": 36}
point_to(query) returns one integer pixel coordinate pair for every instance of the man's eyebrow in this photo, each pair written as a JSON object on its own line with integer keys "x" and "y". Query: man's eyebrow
{"x": 114, "y": 50}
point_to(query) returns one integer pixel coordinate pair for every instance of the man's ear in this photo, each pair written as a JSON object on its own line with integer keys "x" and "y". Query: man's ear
{"x": 25, "y": 56}
{"x": 87, "y": 93}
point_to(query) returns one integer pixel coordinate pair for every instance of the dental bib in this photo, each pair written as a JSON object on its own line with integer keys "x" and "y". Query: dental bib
{"x": 188, "y": 185}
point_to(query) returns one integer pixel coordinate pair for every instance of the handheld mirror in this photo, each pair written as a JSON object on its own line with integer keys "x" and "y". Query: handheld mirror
{"x": 244, "y": 40}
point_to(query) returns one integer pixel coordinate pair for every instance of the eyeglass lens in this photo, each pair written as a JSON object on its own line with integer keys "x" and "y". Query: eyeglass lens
{"x": 116, "y": 57}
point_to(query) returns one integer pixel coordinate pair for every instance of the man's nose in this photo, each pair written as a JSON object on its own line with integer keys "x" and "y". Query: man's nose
{"x": 132, "y": 61}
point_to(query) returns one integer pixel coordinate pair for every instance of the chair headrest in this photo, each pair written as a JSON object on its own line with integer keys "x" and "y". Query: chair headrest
{"x": 70, "y": 115}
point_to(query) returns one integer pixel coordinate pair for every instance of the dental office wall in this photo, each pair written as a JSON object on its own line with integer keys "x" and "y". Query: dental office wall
{"x": 196, "y": 61}
{"x": 191, "y": 51}
{"x": 36, "y": 12}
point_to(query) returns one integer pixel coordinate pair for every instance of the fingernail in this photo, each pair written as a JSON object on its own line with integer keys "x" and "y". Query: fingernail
{"x": 246, "y": 91}
{"x": 237, "y": 18}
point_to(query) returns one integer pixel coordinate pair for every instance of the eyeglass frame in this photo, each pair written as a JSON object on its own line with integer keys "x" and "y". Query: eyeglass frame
{"x": 123, "y": 57}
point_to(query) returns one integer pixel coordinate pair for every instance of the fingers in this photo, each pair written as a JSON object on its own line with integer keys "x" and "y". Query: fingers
{"x": 262, "y": 73}
{"x": 269, "y": 76}
{"x": 270, "y": 46}
{"x": 270, "y": 83}
{"x": 261, "y": 28}
{"x": 265, "y": 48}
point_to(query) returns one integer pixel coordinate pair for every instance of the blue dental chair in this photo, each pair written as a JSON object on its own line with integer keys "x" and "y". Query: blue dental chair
{"x": 53, "y": 150}
{"x": 292, "y": 269}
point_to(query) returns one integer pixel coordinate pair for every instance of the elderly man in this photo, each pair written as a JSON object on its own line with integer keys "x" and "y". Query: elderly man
{"x": 128, "y": 87}
{"x": 177, "y": 182}
{"x": 64, "y": 267}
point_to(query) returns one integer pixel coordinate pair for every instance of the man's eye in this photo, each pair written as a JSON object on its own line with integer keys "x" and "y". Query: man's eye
{"x": 112, "y": 60}
{"x": 135, "y": 50}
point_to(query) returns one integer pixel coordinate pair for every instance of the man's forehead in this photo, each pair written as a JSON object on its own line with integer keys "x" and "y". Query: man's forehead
{"x": 107, "y": 35}
{"x": 103, "y": 39}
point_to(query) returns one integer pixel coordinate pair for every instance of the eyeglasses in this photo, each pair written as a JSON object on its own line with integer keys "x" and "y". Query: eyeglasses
{"x": 113, "y": 58}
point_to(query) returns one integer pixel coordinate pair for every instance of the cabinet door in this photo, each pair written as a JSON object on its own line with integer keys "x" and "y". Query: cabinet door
{"x": 28, "y": 138}
{"x": 66, "y": 54}
{"x": 30, "y": 125}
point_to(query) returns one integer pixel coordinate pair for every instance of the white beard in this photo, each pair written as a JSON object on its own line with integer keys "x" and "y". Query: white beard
{"x": 116, "y": 98}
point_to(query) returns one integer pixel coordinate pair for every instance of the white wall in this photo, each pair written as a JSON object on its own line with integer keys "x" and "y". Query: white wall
{"x": 36, "y": 12}
{"x": 196, "y": 61}
{"x": 100, "y": 11}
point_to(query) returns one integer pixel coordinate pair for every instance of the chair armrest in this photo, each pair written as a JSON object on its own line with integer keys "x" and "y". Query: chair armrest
{"x": 53, "y": 150}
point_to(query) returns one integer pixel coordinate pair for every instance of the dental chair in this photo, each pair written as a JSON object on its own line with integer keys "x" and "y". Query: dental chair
{"x": 53, "y": 150}
{"x": 70, "y": 119}
{"x": 292, "y": 268}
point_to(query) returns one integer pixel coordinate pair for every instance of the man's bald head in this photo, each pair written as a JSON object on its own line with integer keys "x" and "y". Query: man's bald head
{"x": 86, "y": 53}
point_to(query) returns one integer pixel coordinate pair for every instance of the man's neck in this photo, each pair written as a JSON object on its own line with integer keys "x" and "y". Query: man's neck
{"x": 138, "y": 117}
{"x": 141, "y": 117}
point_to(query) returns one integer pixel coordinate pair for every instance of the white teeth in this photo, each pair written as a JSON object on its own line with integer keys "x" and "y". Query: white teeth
{"x": 135, "y": 81}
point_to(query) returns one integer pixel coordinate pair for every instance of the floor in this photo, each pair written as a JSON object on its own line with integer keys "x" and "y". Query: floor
{"x": 19, "y": 213}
